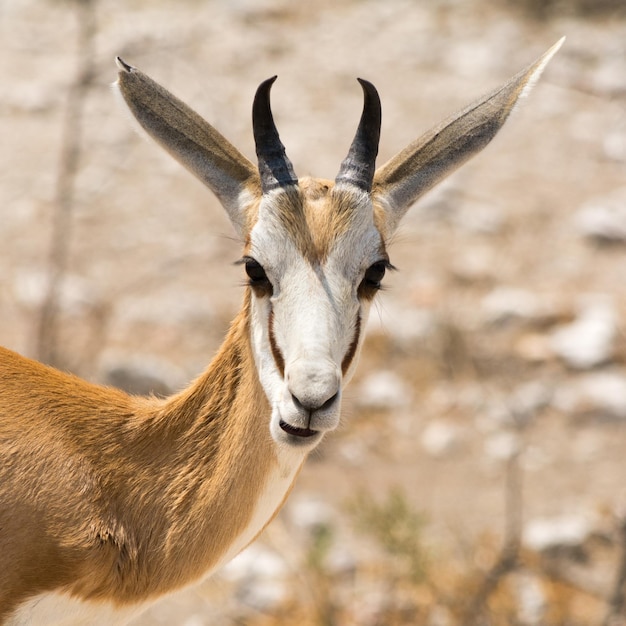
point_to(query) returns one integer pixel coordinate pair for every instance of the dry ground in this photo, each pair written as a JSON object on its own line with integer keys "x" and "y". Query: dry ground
{"x": 150, "y": 285}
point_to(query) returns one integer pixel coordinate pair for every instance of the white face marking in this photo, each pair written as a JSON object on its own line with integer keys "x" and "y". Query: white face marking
{"x": 304, "y": 331}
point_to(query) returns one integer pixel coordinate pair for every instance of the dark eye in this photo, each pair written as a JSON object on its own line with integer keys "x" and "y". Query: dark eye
{"x": 254, "y": 271}
{"x": 375, "y": 273}
{"x": 371, "y": 281}
{"x": 258, "y": 278}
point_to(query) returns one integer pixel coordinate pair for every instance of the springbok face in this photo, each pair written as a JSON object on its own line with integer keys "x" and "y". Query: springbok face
{"x": 315, "y": 250}
{"x": 314, "y": 259}
{"x": 311, "y": 291}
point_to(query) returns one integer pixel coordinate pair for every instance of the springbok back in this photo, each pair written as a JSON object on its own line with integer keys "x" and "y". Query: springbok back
{"x": 109, "y": 501}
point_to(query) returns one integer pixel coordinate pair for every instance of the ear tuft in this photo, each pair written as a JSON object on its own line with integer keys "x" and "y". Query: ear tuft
{"x": 123, "y": 65}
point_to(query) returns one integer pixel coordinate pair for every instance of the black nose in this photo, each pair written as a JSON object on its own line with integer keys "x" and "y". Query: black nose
{"x": 311, "y": 408}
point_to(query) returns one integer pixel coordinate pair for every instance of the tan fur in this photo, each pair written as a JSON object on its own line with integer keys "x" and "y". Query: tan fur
{"x": 315, "y": 214}
{"x": 119, "y": 498}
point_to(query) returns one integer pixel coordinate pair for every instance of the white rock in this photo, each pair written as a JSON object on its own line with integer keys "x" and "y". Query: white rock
{"x": 515, "y": 408}
{"x": 546, "y": 533}
{"x": 383, "y": 390}
{"x": 528, "y": 399}
{"x": 29, "y": 97}
{"x": 496, "y": 415}
{"x": 30, "y": 287}
{"x": 76, "y": 294}
{"x": 353, "y": 451}
{"x": 261, "y": 577}
{"x": 608, "y": 77}
{"x": 589, "y": 340}
{"x": 254, "y": 561}
{"x": 341, "y": 561}
{"x": 402, "y": 324}
{"x": 440, "y": 438}
{"x": 604, "y": 218}
{"x": 480, "y": 218}
{"x": 608, "y": 391}
{"x": 502, "y": 445}
{"x": 264, "y": 594}
{"x": 614, "y": 145}
{"x": 474, "y": 264}
{"x": 601, "y": 393}
{"x": 504, "y": 304}
{"x": 310, "y": 513}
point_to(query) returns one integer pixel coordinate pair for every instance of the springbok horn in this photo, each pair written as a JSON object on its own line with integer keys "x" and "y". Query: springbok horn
{"x": 359, "y": 166}
{"x": 275, "y": 168}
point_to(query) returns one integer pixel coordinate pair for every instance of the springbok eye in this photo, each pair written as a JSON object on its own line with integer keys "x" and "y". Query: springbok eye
{"x": 258, "y": 279}
{"x": 375, "y": 273}
{"x": 372, "y": 279}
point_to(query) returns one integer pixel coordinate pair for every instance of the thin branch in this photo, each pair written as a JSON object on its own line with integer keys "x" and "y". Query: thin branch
{"x": 616, "y": 615}
{"x": 47, "y": 332}
{"x": 508, "y": 557}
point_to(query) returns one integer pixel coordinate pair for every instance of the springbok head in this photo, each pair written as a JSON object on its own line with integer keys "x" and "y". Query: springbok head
{"x": 315, "y": 251}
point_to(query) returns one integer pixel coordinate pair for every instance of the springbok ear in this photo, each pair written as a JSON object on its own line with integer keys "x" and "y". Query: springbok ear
{"x": 190, "y": 140}
{"x": 421, "y": 165}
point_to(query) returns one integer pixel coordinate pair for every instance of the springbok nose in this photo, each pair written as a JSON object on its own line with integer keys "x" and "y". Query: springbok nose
{"x": 317, "y": 407}
{"x": 313, "y": 388}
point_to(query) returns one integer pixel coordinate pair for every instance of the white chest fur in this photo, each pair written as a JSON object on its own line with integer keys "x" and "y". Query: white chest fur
{"x": 276, "y": 487}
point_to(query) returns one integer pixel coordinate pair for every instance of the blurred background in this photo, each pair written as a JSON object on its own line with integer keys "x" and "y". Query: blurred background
{"x": 479, "y": 476}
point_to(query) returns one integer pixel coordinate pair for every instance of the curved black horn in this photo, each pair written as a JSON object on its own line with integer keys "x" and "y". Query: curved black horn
{"x": 359, "y": 166}
{"x": 274, "y": 166}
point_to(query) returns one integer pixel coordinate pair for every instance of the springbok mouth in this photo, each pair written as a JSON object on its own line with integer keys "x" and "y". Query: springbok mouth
{"x": 297, "y": 432}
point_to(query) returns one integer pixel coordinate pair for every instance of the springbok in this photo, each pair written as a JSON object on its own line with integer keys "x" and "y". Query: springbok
{"x": 109, "y": 501}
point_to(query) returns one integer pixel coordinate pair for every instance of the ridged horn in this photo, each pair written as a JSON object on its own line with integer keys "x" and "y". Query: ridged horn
{"x": 275, "y": 168}
{"x": 359, "y": 166}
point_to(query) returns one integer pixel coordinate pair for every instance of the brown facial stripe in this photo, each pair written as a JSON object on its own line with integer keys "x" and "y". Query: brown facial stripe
{"x": 347, "y": 359}
{"x": 276, "y": 353}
